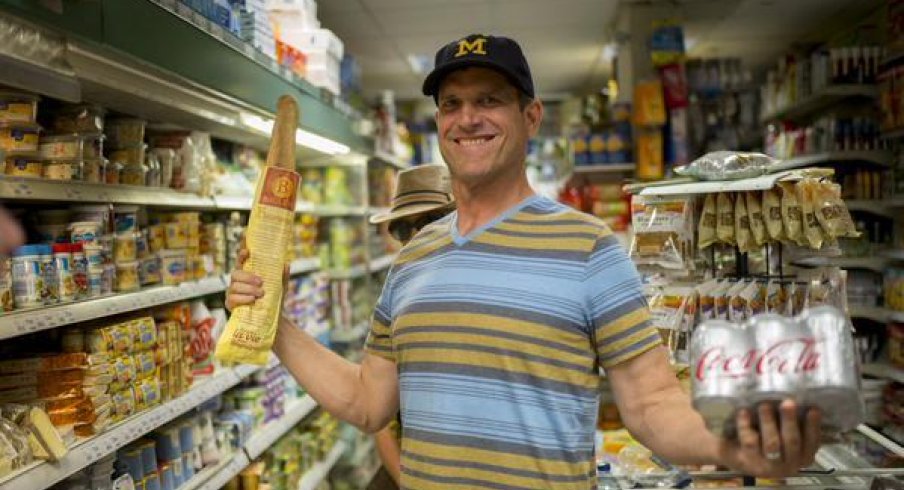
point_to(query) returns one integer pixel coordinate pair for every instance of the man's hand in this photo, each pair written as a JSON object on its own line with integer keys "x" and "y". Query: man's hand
{"x": 245, "y": 287}
{"x": 780, "y": 448}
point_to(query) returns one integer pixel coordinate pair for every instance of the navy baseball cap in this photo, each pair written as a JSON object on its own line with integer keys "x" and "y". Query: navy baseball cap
{"x": 495, "y": 52}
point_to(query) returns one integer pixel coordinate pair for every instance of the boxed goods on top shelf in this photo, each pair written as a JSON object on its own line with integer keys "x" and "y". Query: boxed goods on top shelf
{"x": 832, "y": 133}
{"x": 605, "y": 200}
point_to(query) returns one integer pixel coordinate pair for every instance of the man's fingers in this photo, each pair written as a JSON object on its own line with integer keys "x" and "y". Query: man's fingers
{"x": 748, "y": 437}
{"x": 790, "y": 430}
{"x": 245, "y": 277}
{"x": 769, "y": 435}
{"x": 234, "y": 300}
{"x": 247, "y": 289}
{"x": 243, "y": 256}
{"x": 812, "y": 436}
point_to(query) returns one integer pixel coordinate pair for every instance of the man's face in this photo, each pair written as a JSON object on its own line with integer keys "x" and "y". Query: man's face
{"x": 482, "y": 130}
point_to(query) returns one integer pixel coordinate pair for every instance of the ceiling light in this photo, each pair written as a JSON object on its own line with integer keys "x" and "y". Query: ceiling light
{"x": 302, "y": 137}
{"x": 419, "y": 63}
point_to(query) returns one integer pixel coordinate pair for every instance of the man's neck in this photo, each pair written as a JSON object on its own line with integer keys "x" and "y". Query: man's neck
{"x": 477, "y": 205}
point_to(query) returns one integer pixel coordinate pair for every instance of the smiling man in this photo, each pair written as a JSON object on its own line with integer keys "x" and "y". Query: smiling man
{"x": 494, "y": 321}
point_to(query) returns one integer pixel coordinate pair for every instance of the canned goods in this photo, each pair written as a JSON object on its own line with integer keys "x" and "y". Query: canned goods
{"x": 28, "y": 278}
{"x": 62, "y": 268}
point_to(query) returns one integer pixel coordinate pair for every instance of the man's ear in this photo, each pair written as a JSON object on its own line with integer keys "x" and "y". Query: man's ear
{"x": 534, "y": 115}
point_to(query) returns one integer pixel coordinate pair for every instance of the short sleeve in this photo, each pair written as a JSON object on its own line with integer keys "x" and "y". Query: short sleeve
{"x": 618, "y": 311}
{"x": 379, "y": 340}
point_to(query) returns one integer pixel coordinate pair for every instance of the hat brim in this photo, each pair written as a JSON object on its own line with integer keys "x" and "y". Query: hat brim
{"x": 410, "y": 211}
{"x": 431, "y": 83}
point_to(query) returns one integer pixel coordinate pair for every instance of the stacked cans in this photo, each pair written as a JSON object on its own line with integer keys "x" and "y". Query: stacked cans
{"x": 809, "y": 359}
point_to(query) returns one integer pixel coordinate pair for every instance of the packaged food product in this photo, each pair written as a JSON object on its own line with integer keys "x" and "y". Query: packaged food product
{"x": 24, "y": 165}
{"x": 127, "y": 276}
{"x": 149, "y": 271}
{"x": 21, "y": 138}
{"x": 812, "y": 232}
{"x": 133, "y": 175}
{"x": 146, "y": 333}
{"x": 85, "y": 232}
{"x": 737, "y": 303}
{"x": 250, "y": 330}
{"x": 124, "y": 371}
{"x": 145, "y": 365}
{"x": 125, "y": 247}
{"x": 18, "y": 107}
{"x": 15, "y": 449}
{"x": 125, "y": 132}
{"x": 94, "y": 170}
{"x": 743, "y": 236}
{"x": 61, "y": 147}
{"x": 755, "y": 213}
{"x": 772, "y": 214}
{"x": 727, "y": 165}
{"x": 80, "y": 118}
{"x": 95, "y": 282}
{"x": 62, "y": 268}
{"x": 662, "y": 235}
{"x": 94, "y": 254}
{"x": 792, "y": 215}
{"x": 123, "y": 401}
{"x": 725, "y": 228}
{"x": 167, "y": 158}
{"x": 111, "y": 175}
{"x": 147, "y": 393}
{"x": 722, "y": 299}
{"x": 173, "y": 267}
{"x": 92, "y": 146}
{"x": 176, "y": 235}
{"x": 28, "y": 277}
{"x": 706, "y": 229}
{"x": 832, "y": 212}
{"x": 46, "y": 442}
{"x": 6, "y": 284}
{"x": 62, "y": 170}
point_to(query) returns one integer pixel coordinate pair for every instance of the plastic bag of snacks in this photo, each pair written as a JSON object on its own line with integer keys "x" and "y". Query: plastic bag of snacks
{"x": 706, "y": 228}
{"x": 251, "y": 329}
{"x": 663, "y": 232}
{"x": 727, "y": 165}
{"x": 725, "y": 225}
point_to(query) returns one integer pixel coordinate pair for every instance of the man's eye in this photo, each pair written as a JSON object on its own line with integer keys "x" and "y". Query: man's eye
{"x": 449, "y": 105}
{"x": 489, "y": 101}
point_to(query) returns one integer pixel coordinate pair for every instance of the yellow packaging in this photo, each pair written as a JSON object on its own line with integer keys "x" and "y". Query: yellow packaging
{"x": 755, "y": 213}
{"x": 792, "y": 215}
{"x": 725, "y": 226}
{"x": 812, "y": 231}
{"x": 251, "y": 329}
{"x": 706, "y": 229}
{"x": 772, "y": 214}
{"x": 742, "y": 224}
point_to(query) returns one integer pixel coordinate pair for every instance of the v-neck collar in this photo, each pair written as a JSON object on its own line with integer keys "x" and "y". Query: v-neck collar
{"x": 508, "y": 213}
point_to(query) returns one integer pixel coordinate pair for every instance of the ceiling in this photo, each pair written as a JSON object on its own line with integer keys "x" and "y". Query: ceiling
{"x": 564, "y": 39}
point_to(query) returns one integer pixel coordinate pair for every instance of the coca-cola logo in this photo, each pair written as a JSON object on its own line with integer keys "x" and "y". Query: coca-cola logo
{"x": 787, "y": 356}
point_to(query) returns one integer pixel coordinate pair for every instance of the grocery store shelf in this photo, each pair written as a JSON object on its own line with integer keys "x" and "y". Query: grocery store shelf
{"x": 876, "y": 206}
{"x": 303, "y": 266}
{"x": 381, "y": 263}
{"x": 876, "y": 313}
{"x": 605, "y": 168}
{"x": 43, "y": 474}
{"x": 32, "y": 320}
{"x": 894, "y": 254}
{"x": 874, "y": 157}
{"x": 826, "y": 97}
{"x": 312, "y": 478}
{"x": 233, "y": 203}
{"x": 892, "y": 134}
{"x": 884, "y": 369}
{"x": 24, "y": 189}
{"x": 337, "y": 210}
{"x": 876, "y": 264}
{"x": 215, "y": 477}
{"x": 267, "y": 435}
{"x": 688, "y": 186}
{"x": 350, "y": 273}
{"x": 388, "y": 159}
{"x": 880, "y": 439}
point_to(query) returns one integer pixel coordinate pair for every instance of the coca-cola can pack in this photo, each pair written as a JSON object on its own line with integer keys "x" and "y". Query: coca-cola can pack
{"x": 809, "y": 359}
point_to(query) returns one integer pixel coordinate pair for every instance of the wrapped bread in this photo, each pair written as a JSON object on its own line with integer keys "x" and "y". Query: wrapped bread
{"x": 251, "y": 329}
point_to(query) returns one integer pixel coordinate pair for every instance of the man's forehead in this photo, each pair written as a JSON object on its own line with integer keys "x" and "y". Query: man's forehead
{"x": 483, "y": 79}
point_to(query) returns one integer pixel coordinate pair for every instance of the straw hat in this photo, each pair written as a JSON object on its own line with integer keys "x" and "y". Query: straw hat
{"x": 418, "y": 190}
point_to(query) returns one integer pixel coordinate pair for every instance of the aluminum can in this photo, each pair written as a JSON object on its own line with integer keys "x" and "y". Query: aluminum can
{"x": 721, "y": 356}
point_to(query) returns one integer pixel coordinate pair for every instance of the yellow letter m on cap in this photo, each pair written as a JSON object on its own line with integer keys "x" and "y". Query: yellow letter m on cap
{"x": 477, "y": 46}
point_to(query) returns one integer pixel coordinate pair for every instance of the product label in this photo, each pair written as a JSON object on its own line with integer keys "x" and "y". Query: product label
{"x": 28, "y": 283}
{"x": 280, "y": 187}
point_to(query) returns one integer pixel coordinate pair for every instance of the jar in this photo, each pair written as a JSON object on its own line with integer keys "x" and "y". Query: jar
{"x": 62, "y": 262}
{"x": 80, "y": 118}
{"x": 92, "y": 146}
{"x": 6, "y": 284}
{"x": 94, "y": 254}
{"x": 27, "y": 276}
{"x": 125, "y": 132}
{"x": 152, "y": 177}
{"x": 79, "y": 270}
{"x": 62, "y": 169}
{"x": 18, "y": 107}
{"x": 173, "y": 267}
{"x": 111, "y": 176}
{"x": 109, "y": 279}
{"x": 61, "y": 147}
{"x": 51, "y": 292}
{"x": 133, "y": 175}
{"x": 24, "y": 165}
{"x": 129, "y": 156}
{"x": 166, "y": 157}
{"x": 95, "y": 282}
{"x": 94, "y": 170}
{"x": 20, "y": 138}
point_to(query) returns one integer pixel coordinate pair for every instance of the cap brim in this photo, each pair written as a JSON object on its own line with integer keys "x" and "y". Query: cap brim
{"x": 410, "y": 211}
{"x": 431, "y": 83}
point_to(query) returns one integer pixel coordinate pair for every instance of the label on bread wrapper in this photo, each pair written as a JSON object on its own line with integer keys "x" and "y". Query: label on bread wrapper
{"x": 251, "y": 329}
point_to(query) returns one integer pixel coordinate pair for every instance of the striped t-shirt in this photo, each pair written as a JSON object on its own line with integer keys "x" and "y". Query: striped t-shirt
{"x": 496, "y": 337}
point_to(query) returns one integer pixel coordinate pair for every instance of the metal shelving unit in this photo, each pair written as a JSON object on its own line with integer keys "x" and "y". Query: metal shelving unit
{"x": 614, "y": 168}
{"x": 826, "y": 97}
{"x": 877, "y": 158}
{"x": 883, "y": 369}
{"x": 44, "y": 474}
{"x": 27, "y": 321}
{"x": 321, "y": 469}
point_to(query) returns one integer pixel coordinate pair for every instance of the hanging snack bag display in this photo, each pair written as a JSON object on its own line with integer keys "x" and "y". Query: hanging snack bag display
{"x": 772, "y": 214}
{"x": 812, "y": 232}
{"x": 251, "y": 329}
{"x": 755, "y": 214}
{"x": 831, "y": 211}
{"x": 743, "y": 236}
{"x": 706, "y": 228}
{"x": 791, "y": 214}
{"x": 725, "y": 228}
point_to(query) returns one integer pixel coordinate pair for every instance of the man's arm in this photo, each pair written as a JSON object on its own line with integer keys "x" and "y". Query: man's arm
{"x": 390, "y": 453}
{"x": 365, "y": 395}
{"x": 658, "y": 413}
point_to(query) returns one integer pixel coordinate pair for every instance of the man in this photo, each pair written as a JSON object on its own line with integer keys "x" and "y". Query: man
{"x": 494, "y": 320}
{"x": 423, "y": 195}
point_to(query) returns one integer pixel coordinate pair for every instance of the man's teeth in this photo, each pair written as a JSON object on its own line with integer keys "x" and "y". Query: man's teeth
{"x": 474, "y": 141}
